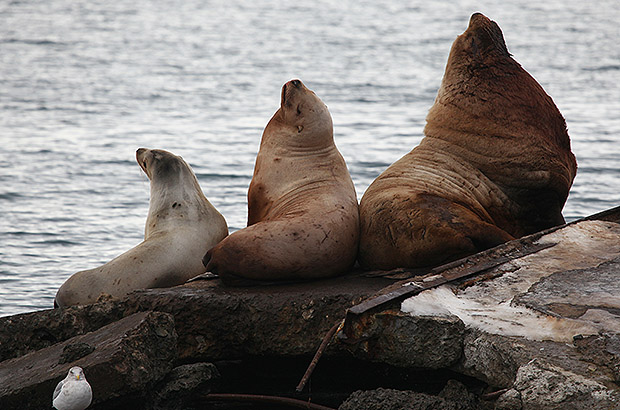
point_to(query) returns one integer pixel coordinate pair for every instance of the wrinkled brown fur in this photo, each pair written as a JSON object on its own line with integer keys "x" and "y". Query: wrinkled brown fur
{"x": 495, "y": 164}
{"x": 303, "y": 218}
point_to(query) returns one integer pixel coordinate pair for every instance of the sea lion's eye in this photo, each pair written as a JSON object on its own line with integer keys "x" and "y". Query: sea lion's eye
{"x": 296, "y": 83}
{"x": 299, "y": 110}
{"x": 144, "y": 163}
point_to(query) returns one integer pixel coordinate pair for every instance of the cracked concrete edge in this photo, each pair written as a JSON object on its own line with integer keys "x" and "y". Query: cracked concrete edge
{"x": 543, "y": 386}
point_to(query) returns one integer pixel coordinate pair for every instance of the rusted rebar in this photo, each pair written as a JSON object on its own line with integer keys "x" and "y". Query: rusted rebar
{"x": 493, "y": 395}
{"x": 328, "y": 337}
{"x": 257, "y": 398}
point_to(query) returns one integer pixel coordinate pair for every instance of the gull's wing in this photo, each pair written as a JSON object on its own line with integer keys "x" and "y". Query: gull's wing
{"x": 57, "y": 389}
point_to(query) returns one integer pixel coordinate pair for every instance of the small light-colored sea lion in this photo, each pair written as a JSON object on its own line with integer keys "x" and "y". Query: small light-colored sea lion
{"x": 303, "y": 218}
{"x": 180, "y": 227}
{"x": 495, "y": 164}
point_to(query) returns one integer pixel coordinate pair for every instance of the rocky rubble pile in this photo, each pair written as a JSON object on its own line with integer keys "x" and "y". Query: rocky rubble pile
{"x": 539, "y": 331}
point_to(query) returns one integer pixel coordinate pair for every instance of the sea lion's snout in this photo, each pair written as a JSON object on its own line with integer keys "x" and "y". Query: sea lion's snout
{"x": 477, "y": 19}
{"x": 486, "y": 36}
{"x": 140, "y": 153}
{"x": 288, "y": 89}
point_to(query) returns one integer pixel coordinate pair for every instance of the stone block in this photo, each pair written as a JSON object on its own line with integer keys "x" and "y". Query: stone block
{"x": 120, "y": 360}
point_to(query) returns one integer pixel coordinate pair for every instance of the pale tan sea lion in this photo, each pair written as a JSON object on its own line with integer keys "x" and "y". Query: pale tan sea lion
{"x": 303, "y": 219}
{"x": 180, "y": 227}
{"x": 495, "y": 164}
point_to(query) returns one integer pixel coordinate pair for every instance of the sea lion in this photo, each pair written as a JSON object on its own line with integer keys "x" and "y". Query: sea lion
{"x": 180, "y": 227}
{"x": 495, "y": 164}
{"x": 303, "y": 217}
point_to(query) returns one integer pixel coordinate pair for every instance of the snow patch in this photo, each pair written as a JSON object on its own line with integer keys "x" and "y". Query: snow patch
{"x": 489, "y": 306}
{"x": 501, "y": 319}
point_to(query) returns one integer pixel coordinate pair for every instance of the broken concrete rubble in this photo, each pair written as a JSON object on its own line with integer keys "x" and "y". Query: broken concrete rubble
{"x": 125, "y": 359}
{"x": 454, "y": 396}
{"x": 551, "y": 305}
{"x": 539, "y": 382}
{"x": 28, "y": 332}
{"x": 532, "y": 325}
{"x": 496, "y": 305}
{"x": 389, "y": 399}
{"x": 403, "y": 340}
{"x": 211, "y": 323}
{"x": 534, "y": 309}
{"x": 176, "y": 390}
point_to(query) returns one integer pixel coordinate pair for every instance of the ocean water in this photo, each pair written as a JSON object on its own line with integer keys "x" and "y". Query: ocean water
{"x": 84, "y": 83}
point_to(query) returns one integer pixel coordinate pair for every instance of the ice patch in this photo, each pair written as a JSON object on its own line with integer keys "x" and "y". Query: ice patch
{"x": 501, "y": 319}
{"x": 488, "y": 305}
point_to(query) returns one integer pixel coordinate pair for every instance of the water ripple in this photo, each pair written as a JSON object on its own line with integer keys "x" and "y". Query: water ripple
{"x": 34, "y": 42}
{"x": 11, "y": 196}
{"x": 84, "y": 84}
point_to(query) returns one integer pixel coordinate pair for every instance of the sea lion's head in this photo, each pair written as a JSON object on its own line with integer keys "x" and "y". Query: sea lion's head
{"x": 163, "y": 167}
{"x": 484, "y": 91}
{"x": 159, "y": 164}
{"x": 303, "y": 119}
{"x": 483, "y": 40}
{"x": 482, "y": 45}
{"x": 496, "y": 116}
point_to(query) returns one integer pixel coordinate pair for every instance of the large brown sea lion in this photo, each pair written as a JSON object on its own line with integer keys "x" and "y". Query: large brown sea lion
{"x": 495, "y": 164}
{"x": 303, "y": 218}
{"x": 180, "y": 227}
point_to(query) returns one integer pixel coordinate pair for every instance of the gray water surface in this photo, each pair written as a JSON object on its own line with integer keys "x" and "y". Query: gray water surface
{"x": 84, "y": 83}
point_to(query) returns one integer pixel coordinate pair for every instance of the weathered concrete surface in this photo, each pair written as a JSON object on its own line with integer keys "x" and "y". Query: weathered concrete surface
{"x": 496, "y": 359}
{"x": 554, "y": 314}
{"x": 25, "y": 333}
{"x": 541, "y": 385}
{"x": 215, "y": 322}
{"x": 559, "y": 307}
{"x": 176, "y": 391}
{"x": 402, "y": 340}
{"x": 212, "y": 321}
{"x": 129, "y": 356}
{"x": 453, "y": 397}
{"x": 283, "y": 320}
{"x": 591, "y": 293}
{"x": 512, "y": 300}
{"x": 603, "y": 350}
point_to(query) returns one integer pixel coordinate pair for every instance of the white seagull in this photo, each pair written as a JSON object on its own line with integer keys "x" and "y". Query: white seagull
{"x": 74, "y": 392}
